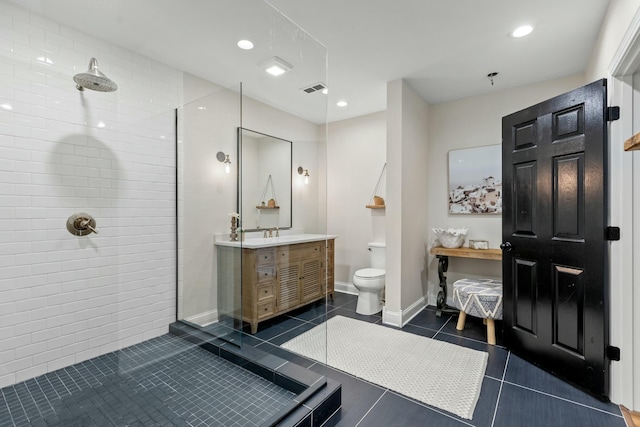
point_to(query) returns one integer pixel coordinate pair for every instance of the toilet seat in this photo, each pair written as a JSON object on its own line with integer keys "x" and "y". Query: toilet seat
{"x": 370, "y": 273}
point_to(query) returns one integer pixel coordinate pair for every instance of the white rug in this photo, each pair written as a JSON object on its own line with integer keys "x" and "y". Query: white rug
{"x": 437, "y": 373}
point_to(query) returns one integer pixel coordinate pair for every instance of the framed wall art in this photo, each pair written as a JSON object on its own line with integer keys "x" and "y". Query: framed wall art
{"x": 475, "y": 180}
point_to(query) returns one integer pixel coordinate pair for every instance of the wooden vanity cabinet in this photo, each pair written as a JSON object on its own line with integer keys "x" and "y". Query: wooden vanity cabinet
{"x": 282, "y": 278}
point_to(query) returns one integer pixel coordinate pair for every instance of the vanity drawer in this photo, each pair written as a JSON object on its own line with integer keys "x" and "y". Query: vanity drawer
{"x": 266, "y": 274}
{"x": 265, "y": 309}
{"x": 264, "y": 256}
{"x": 300, "y": 251}
{"x": 265, "y": 292}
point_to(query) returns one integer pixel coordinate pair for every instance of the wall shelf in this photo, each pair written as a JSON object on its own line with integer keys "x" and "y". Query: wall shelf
{"x": 632, "y": 143}
{"x": 377, "y": 198}
{"x": 267, "y": 207}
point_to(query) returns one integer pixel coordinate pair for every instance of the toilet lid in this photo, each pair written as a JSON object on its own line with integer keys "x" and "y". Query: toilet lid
{"x": 370, "y": 273}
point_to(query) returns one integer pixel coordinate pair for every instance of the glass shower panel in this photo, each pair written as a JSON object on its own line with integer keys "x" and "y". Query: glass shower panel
{"x": 208, "y": 279}
{"x": 286, "y": 244}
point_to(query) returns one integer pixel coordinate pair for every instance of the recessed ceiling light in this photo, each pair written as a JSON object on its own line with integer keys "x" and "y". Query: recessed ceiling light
{"x": 342, "y": 103}
{"x": 245, "y": 44}
{"x": 275, "y": 66}
{"x": 325, "y": 91}
{"x": 522, "y": 31}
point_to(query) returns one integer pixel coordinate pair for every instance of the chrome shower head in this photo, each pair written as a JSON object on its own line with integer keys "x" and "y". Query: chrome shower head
{"x": 94, "y": 79}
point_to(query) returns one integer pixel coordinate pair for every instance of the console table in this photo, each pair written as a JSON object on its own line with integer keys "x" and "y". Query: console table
{"x": 443, "y": 255}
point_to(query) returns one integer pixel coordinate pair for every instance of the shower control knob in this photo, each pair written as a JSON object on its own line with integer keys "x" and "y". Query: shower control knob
{"x": 81, "y": 224}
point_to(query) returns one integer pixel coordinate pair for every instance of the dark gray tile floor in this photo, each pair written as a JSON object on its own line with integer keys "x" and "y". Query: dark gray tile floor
{"x": 188, "y": 386}
{"x": 514, "y": 392}
{"x": 165, "y": 381}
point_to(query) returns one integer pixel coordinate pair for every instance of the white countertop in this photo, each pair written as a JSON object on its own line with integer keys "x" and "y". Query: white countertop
{"x": 261, "y": 242}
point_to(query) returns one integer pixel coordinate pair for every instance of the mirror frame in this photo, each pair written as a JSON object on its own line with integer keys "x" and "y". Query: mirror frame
{"x": 239, "y": 178}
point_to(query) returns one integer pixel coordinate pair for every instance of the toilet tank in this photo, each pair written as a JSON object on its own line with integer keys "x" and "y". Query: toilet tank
{"x": 376, "y": 255}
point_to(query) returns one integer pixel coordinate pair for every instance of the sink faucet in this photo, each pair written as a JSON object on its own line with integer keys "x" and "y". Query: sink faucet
{"x": 277, "y": 232}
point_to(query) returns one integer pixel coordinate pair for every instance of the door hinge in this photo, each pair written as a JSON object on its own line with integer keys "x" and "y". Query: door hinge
{"x": 613, "y": 353}
{"x": 612, "y": 233}
{"x": 613, "y": 113}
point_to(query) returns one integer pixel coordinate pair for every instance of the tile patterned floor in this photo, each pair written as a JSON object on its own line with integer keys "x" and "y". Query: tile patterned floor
{"x": 165, "y": 381}
{"x": 190, "y": 387}
{"x": 514, "y": 392}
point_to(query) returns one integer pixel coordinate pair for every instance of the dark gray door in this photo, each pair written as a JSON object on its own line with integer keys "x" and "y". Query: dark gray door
{"x": 553, "y": 230}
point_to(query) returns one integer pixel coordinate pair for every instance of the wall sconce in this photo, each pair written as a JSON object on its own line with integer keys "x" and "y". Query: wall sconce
{"x": 306, "y": 174}
{"x": 224, "y": 158}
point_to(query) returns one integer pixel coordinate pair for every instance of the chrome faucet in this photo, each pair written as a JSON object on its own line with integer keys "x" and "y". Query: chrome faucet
{"x": 277, "y": 232}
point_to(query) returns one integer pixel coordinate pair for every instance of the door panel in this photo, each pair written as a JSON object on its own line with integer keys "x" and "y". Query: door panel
{"x": 525, "y": 298}
{"x": 555, "y": 312}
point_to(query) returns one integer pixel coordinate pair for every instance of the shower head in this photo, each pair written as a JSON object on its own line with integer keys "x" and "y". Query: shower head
{"x": 94, "y": 79}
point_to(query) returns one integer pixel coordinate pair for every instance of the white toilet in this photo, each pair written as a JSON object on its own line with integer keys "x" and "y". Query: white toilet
{"x": 370, "y": 281}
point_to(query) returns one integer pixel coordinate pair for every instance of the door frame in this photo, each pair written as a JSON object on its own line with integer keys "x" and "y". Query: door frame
{"x": 624, "y": 374}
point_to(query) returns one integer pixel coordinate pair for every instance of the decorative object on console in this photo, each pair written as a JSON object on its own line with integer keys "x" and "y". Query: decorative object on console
{"x": 479, "y": 244}
{"x": 450, "y": 237}
{"x": 475, "y": 180}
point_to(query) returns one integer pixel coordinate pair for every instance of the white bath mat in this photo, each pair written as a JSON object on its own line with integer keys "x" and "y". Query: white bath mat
{"x": 437, "y": 373}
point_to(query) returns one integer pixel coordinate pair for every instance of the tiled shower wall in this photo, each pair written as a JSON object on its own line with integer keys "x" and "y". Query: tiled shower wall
{"x": 63, "y": 298}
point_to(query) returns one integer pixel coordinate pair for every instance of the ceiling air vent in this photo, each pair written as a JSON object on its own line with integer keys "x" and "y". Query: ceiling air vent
{"x": 314, "y": 87}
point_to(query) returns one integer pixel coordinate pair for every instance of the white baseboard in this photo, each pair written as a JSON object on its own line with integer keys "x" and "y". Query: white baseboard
{"x": 345, "y": 288}
{"x": 204, "y": 319}
{"x": 401, "y": 318}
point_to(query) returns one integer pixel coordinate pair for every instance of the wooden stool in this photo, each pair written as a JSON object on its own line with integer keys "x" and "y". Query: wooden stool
{"x": 480, "y": 298}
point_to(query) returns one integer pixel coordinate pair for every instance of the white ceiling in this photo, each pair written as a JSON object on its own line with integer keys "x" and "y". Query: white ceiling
{"x": 443, "y": 48}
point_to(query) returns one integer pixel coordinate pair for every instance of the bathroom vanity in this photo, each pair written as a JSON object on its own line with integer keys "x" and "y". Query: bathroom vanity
{"x": 278, "y": 274}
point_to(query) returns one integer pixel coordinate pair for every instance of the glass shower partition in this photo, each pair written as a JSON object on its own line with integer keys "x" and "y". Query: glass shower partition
{"x": 209, "y": 284}
{"x": 223, "y": 221}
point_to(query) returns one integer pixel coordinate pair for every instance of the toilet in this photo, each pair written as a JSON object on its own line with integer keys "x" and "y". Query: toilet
{"x": 370, "y": 281}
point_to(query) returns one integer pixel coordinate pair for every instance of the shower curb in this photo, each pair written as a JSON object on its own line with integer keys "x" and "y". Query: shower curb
{"x": 317, "y": 397}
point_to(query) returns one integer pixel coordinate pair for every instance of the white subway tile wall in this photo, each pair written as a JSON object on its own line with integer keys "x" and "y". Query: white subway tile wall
{"x": 63, "y": 298}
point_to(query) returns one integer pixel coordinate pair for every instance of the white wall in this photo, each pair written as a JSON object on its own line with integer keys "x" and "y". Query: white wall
{"x": 473, "y": 122}
{"x": 355, "y": 157}
{"x": 408, "y": 196}
{"x": 208, "y": 194}
{"x": 616, "y": 54}
{"x": 63, "y": 298}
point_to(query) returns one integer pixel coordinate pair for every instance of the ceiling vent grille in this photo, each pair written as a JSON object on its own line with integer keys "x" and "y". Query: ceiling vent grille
{"x": 314, "y": 87}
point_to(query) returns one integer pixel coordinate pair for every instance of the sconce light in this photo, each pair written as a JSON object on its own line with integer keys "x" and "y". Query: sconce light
{"x": 224, "y": 158}
{"x": 306, "y": 174}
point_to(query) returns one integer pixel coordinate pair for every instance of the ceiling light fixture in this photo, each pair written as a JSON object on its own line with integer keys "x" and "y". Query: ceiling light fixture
{"x": 490, "y": 76}
{"x": 245, "y": 44}
{"x": 342, "y": 103}
{"x": 275, "y": 66}
{"x": 522, "y": 31}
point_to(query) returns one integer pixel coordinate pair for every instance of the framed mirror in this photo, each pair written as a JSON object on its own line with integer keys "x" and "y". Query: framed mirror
{"x": 264, "y": 181}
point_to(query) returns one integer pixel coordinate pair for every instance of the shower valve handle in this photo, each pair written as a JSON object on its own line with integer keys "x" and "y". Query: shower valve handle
{"x": 84, "y": 223}
{"x": 81, "y": 224}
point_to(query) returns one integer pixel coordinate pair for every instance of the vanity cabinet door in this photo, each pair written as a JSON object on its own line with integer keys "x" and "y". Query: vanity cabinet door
{"x": 311, "y": 283}
{"x": 288, "y": 285}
